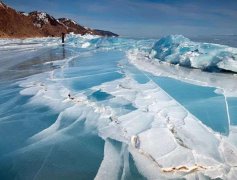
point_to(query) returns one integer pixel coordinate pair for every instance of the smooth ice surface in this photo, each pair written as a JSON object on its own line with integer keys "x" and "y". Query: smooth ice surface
{"x": 213, "y": 108}
{"x": 104, "y": 108}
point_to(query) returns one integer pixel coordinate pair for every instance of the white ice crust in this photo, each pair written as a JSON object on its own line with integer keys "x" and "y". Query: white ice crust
{"x": 176, "y": 49}
{"x": 164, "y": 139}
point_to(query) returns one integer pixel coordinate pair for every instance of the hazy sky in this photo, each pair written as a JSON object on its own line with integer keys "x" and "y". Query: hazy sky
{"x": 143, "y": 18}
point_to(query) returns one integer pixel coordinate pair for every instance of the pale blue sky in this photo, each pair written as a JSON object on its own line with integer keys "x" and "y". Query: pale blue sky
{"x": 143, "y": 18}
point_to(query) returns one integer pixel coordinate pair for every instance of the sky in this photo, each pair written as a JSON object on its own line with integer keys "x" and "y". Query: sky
{"x": 143, "y": 18}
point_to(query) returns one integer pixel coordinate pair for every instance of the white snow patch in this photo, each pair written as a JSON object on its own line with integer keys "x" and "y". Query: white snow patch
{"x": 85, "y": 45}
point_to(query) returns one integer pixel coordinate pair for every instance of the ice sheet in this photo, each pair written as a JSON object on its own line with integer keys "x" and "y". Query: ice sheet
{"x": 97, "y": 96}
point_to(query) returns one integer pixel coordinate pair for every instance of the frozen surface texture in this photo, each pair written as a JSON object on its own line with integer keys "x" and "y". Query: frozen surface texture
{"x": 177, "y": 49}
{"x": 103, "y": 108}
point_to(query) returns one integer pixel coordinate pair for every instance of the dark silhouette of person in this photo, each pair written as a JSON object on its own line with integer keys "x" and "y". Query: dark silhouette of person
{"x": 63, "y": 36}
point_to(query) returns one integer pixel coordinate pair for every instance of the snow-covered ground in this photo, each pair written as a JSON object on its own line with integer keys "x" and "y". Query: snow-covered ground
{"x": 107, "y": 108}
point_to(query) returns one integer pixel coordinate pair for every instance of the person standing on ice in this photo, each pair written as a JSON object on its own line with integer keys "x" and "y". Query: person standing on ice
{"x": 63, "y": 36}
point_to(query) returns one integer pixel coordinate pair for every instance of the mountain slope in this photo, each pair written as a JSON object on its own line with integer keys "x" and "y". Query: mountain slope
{"x": 72, "y": 26}
{"x": 47, "y": 24}
{"x": 15, "y": 24}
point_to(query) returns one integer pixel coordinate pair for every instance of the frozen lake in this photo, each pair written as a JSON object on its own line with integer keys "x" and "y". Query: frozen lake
{"x": 108, "y": 108}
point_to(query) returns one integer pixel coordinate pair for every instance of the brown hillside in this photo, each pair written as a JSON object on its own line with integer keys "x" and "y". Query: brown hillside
{"x": 14, "y": 24}
{"x": 47, "y": 24}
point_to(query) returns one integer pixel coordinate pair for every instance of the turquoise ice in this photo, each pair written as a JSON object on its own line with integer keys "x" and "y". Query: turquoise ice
{"x": 105, "y": 108}
{"x": 177, "y": 49}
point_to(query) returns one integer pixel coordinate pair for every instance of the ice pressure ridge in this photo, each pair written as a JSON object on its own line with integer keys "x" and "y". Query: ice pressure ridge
{"x": 161, "y": 135}
{"x": 164, "y": 139}
{"x": 177, "y": 49}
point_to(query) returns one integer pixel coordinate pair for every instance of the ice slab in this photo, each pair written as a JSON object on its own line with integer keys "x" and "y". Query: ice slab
{"x": 177, "y": 49}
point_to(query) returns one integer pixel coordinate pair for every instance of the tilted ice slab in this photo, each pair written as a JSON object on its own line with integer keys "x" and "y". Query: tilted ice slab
{"x": 164, "y": 139}
{"x": 177, "y": 49}
{"x": 169, "y": 137}
{"x": 225, "y": 83}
